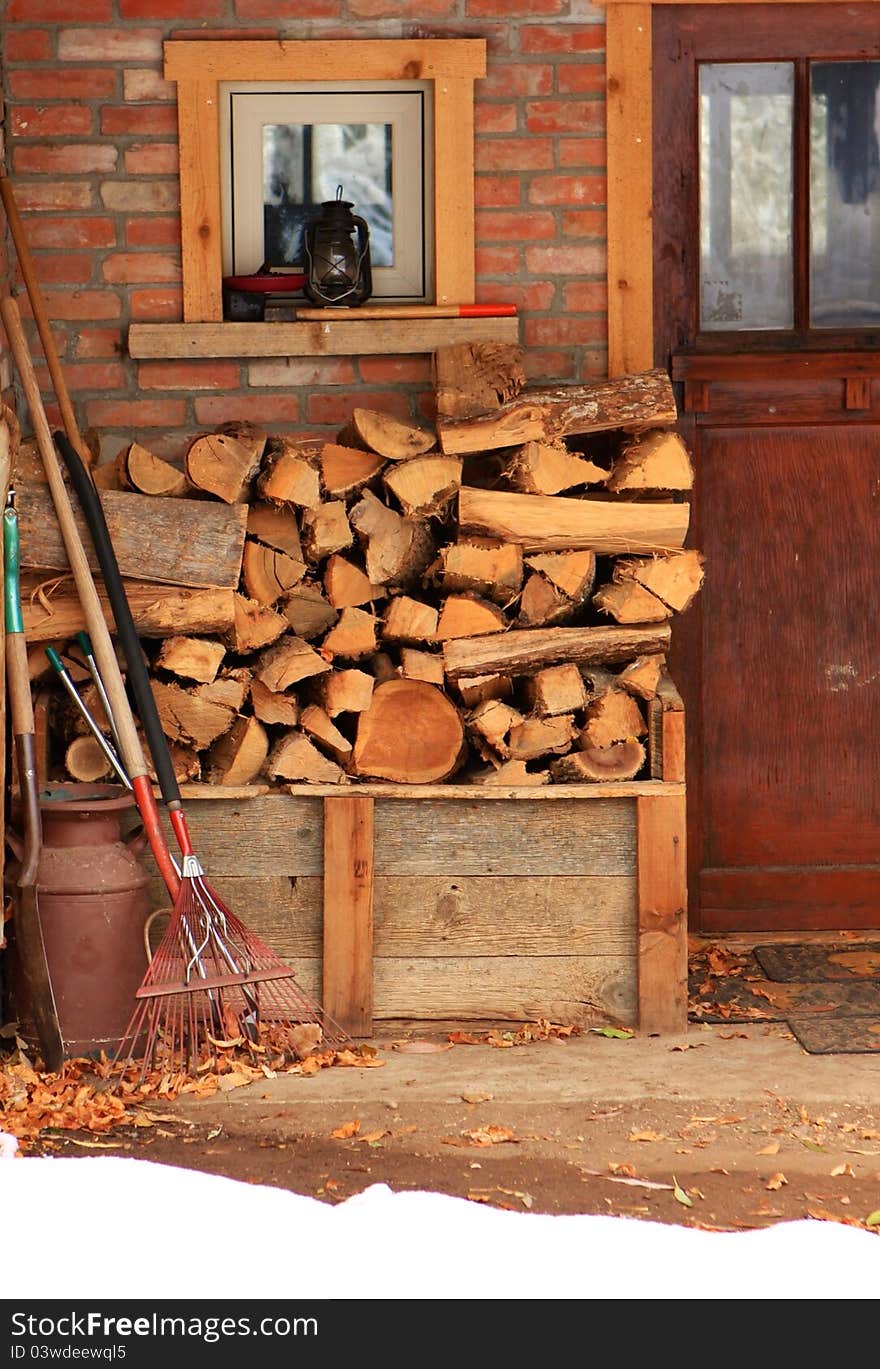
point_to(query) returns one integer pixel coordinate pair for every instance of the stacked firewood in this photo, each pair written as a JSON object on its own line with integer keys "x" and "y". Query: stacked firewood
{"x": 487, "y": 598}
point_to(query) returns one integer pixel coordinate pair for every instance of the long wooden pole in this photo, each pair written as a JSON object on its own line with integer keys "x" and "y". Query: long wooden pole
{"x": 41, "y": 318}
{"x": 132, "y": 751}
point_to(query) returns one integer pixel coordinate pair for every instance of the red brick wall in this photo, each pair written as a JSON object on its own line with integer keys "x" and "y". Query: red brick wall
{"x": 91, "y": 151}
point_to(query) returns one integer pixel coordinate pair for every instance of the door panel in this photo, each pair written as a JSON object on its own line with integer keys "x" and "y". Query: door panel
{"x": 779, "y": 657}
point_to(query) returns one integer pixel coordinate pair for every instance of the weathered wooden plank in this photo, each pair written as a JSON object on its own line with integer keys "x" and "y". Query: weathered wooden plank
{"x": 343, "y": 337}
{"x": 387, "y": 59}
{"x": 347, "y": 992}
{"x": 662, "y": 900}
{"x": 626, "y": 789}
{"x": 436, "y": 916}
{"x": 167, "y": 541}
{"x": 274, "y": 832}
{"x": 434, "y": 838}
{"x": 200, "y": 207}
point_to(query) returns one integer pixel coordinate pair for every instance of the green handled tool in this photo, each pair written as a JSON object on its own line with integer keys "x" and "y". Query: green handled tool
{"x": 66, "y": 679}
{"x": 27, "y": 927}
{"x": 85, "y": 646}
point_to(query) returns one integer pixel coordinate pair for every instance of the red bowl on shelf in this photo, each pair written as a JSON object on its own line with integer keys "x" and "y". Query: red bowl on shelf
{"x": 266, "y": 282}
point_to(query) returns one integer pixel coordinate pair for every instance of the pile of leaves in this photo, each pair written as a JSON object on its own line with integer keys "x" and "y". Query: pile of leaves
{"x": 542, "y": 1030}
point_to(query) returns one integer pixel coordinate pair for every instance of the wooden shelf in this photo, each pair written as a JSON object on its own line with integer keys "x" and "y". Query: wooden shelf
{"x": 333, "y": 338}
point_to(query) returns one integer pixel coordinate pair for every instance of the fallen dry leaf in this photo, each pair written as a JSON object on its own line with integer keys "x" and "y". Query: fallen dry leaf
{"x": 491, "y": 1135}
{"x": 775, "y": 1182}
{"x": 347, "y": 1130}
{"x": 646, "y": 1136}
{"x": 423, "y": 1047}
{"x": 477, "y": 1097}
{"x": 846, "y": 1169}
{"x": 771, "y": 1149}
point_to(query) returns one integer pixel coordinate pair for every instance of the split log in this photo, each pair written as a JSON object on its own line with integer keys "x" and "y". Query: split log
{"x": 320, "y": 727}
{"x": 106, "y": 477}
{"x": 249, "y": 435}
{"x": 558, "y": 689}
{"x": 409, "y": 620}
{"x": 347, "y": 469}
{"x": 466, "y": 615}
{"x": 185, "y": 762}
{"x": 620, "y": 761}
{"x": 421, "y": 665}
{"x": 325, "y": 530}
{"x": 633, "y": 403}
{"x": 346, "y": 584}
{"x": 674, "y": 579}
{"x": 556, "y": 523}
{"x": 521, "y": 651}
{"x": 614, "y": 716}
{"x": 654, "y": 461}
{"x": 398, "y": 549}
{"x": 52, "y": 610}
{"x": 512, "y": 773}
{"x": 476, "y": 377}
{"x": 353, "y": 636}
{"x": 629, "y": 602}
{"x": 85, "y": 761}
{"x": 549, "y": 468}
{"x": 307, "y": 610}
{"x": 478, "y": 688}
{"x": 289, "y": 474}
{"x": 344, "y": 691}
{"x": 267, "y": 574}
{"x": 219, "y": 464}
{"x": 230, "y": 691}
{"x": 411, "y": 733}
{"x": 642, "y": 676}
{"x": 188, "y": 720}
{"x": 140, "y": 470}
{"x": 424, "y": 485}
{"x": 493, "y": 570}
{"x": 541, "y": 604}
{"x": 287, "y": 662}
{"x": 238, "y": 757}
{"x": 273, "y": 709}
{"x": 193, "y": 658}
{"x": 490, "y": 723}
{"x": 168, "y": 541}
{"x": 275, "y": 525}
{"x": 572, "y": 572}
{"x": 294, "y": 757}
{"x": 255, "y": 625}
{"x": 386, "y": 436}
{"x": 536, "y": 737}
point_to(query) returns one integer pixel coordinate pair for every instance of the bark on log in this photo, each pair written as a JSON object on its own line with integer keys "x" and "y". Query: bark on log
{"x": 521, "y": 651}
{"x": 556, "y": 523}
{"x": 633, "y": 403}
{"x": 411, "y": 733}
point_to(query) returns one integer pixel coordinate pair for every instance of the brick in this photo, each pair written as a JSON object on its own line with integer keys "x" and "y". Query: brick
{"x": 68, "y": 268}
{"x": 70, "y": 232}
{"x": 74, "y": 158}
{"x": 189, "y": 375}
{"x": 161, "y": 231}
{"x": 495, "y": 118}
{"x": 90, "y": 305}
{"x": 110, "y": 45}
{"x": 586, "y": 78}
{"x": 170, "y": 9}
{"x": 497, "y": 261}
{"x": 538, "y": 365}
{"x": 491, "y": 192}
{"x": 564, "y": 116}
{"x": 537, "y": 296}
{"x": 62, "y": 84}
{"x": 388, "y": 9}
{"x": 288, "y": 371}
{"x": 517, "y": 79}
{"x": 335, "y": 409}
{"x": 265, "y": 409}
{"x": 139, "y": 119}
{"x": 584, "y": 223}
{"x": 58, "y": 11}
{"x": 29, "y": 45}
{"x": 514, "y": 154}
{"x": 268, "y": 9}
{"x": 585, "y": 259}
{"x": 39, "y": 195}
{"x": 134, "y": 414}
{"x": 104, "y": 376}
{"x": 156, "y": 197}
{"x": 566, "y": 190}
{"x": 564, "y": 38}
{"x": 517, "y": 225}
{"x": 569, "y": 331}
{"x": 396, "y": 370}
{"x": 98, "y": 342}
{"x": 511, "y": 9}
{"x": 586, "y": 297}
{"x": 583, "y": 151}
{"x": 156, "y": 306}
{"x": 140, "y": 84}
{"x": 152, "y": 159}
{"x": 130, "y": 268}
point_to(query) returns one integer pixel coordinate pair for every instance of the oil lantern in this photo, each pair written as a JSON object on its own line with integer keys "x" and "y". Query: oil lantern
{"x": 337, "y": 248}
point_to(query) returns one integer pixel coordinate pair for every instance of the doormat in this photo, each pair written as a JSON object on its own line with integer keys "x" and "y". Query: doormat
{"x": 808, "y": 963}
{"x": 837, "y": 1035}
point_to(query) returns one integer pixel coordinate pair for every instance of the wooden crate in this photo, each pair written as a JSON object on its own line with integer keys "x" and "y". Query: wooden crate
{"x": 451, "y": 903}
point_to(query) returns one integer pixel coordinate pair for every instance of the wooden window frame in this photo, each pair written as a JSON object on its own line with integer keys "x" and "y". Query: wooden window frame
{"x": 630, "y": 249}
{"x": 198, "y": 68}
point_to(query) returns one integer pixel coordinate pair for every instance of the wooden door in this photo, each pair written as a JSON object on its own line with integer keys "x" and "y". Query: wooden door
{"x": 779, "y": 658}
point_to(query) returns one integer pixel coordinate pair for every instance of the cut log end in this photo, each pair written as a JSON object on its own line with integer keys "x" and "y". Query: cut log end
{"x": 411, "y": 733}
{"x": 619, "y": 761}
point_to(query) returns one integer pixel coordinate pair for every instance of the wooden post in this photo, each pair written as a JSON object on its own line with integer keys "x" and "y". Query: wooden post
{"x": 662, "y": 911}
{"x": 348, "y": 913}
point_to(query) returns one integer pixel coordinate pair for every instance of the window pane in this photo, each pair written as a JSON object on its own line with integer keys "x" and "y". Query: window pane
{"x": 746, "y": 122}
{"x": 844, "y": 195}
